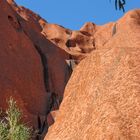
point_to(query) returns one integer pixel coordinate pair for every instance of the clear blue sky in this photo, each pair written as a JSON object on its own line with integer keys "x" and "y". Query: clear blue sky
{"x": 74, "y": 13}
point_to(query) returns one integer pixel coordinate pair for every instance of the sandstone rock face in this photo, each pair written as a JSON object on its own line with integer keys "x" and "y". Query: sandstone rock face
{"x": 127, "y": 31}
{"x": 78, "y": 44}
{"x": 56, "y": 69}
{"x": 101, "y": 100}
{"x": 33, "y": 70}
{"x": 36, "y": 69}
{"x": 21, "y": 72}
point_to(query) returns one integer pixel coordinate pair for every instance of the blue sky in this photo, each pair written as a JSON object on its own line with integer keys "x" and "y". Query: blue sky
{"x": 74, "y": 13}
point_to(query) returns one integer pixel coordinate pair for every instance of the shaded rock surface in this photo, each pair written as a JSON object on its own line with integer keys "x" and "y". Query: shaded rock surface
{"x": 21, "y": 72}
{"x": 33, "y": 70}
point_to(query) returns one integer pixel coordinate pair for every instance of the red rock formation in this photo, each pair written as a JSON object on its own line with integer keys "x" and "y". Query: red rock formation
{"x": 33, "y": 70}
{"x": 102, "y": 100}
{"x": 54, "y": 59}
{"x": 21, "y": 72}
{"x": 37, "y": 70}
{"x": 76, "y": 43}
{"x": 37, "y": 58}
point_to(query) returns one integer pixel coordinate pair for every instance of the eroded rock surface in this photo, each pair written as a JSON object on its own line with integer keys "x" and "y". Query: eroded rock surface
{"x": 21, "y": 72}
{"x": 102, "y": 100}
{"x": 33, "y": 70}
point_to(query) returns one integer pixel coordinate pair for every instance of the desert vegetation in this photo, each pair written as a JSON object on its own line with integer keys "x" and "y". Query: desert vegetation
{"x": 11, "y": 127}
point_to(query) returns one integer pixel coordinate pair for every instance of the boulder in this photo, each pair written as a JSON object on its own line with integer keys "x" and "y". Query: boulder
{"x": 101, "y": 99}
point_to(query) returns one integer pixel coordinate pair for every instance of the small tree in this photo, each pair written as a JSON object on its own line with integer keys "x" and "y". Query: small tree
{"x": 11, "y": 127}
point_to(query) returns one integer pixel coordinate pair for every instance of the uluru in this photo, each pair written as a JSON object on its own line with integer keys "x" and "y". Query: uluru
{"x": 58, "y": 83}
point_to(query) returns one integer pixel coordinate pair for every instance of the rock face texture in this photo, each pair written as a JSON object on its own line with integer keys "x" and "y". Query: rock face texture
{"x": 33, "y": 70}
{"x": 108, "y": 106}
{"x": 21, "y": 72}
{"x": 102, "y": 98}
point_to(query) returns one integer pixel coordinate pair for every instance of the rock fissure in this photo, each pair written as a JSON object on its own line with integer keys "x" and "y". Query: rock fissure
{"x": 45, "y": 68}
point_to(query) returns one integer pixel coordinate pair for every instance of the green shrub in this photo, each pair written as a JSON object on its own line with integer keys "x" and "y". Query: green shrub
{"x": 11, "y": 127}
{"x": 3, "y": 131}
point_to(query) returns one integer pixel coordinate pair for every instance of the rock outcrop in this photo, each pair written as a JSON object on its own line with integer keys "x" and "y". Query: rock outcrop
{"x": 101, "y": 99}
{"x": 35, "y": 66}
{"x": 108, "y": 106}
{"x": 33, "y": 70}
{"x": 21, "y": 72}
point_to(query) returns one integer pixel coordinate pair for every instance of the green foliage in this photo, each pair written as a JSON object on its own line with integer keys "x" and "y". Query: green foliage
{"x": 10, "y": 126}
{"x": 3, "y": 131}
